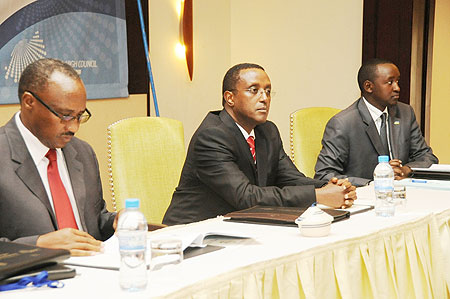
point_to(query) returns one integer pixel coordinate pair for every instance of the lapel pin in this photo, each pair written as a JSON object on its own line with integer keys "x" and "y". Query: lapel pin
{"x": 396, "y": 122}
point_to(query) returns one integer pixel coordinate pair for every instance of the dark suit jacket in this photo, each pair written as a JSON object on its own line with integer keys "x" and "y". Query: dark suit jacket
{"x": 219, "y": 175}
{"x": 25, "y": 210}
{"x": 351, "y": 143}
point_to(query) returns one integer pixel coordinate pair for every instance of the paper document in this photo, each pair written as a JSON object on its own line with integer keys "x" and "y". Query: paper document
{"x": 195, "y": 239}
{"x": 422, "y": 183}
{"x": 435, "y": 167}
{"x": 110, "y": 257}
{"x": 354, "y": 209}
{"x": 358, "y": 208}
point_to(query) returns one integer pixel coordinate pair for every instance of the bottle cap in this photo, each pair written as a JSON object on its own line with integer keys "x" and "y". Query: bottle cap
{"x": 382, "y": 159}
{"x": 131, "y": 203}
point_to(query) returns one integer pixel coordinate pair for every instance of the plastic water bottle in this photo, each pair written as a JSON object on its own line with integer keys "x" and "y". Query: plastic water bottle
{"x": 383, "y": 177}
{"x": 132, "y": 233}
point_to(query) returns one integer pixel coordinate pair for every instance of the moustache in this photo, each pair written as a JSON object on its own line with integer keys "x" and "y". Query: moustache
{"x": 68, "y": 134}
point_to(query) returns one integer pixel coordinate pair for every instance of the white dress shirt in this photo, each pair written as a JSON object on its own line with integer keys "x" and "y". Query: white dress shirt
{"x": 38, "y": 151}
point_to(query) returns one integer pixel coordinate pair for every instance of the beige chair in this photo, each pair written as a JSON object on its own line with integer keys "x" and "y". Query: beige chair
{"x": 306, "y": 127}
{"x": 146, "y": 155}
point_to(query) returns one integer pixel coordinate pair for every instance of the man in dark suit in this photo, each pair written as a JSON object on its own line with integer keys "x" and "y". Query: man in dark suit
{"x": 355, "y": 137}
{"x": 223, "y": 174}
{"x": 58, "y": 206}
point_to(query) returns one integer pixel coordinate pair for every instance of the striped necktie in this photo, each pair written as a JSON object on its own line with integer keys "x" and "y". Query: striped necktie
{"x": 383, "y": 134}
{"x": 251, "y": 144}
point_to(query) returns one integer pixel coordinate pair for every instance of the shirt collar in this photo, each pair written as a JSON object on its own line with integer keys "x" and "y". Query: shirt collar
{"x": 244, "y": 132}
{"x": 35, "y": 147}
{"x": 374, "y": 111}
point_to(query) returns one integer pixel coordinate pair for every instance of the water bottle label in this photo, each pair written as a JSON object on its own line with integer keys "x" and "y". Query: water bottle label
{"x": 384, "y": 188}
{"x": 384, "y": 184}
{"x": 132, "y": 240}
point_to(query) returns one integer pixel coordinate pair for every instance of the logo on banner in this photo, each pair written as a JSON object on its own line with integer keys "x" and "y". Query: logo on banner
{"x": 25, "y": 52}
{"x": 89, "y": 35}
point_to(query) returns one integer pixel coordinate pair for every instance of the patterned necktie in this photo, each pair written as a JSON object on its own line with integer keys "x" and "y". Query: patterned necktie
{"x": 251, "y": 144}
{"x": 61, "y": 201}
{"x": 383, "y": 134}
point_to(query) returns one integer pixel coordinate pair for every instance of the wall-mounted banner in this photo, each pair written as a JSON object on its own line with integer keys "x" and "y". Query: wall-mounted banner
{"x": 90, "y": 35}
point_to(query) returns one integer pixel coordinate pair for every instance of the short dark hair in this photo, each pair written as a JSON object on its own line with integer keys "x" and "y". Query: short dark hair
{"x": 232, "y": 76}
{"x": 36, "y": 75}
{"x": 368, "y": 70}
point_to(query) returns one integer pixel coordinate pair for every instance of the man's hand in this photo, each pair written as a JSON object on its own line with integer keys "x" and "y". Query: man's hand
{"x": 338, "y": 193}
{"x": 78, "y": 242}
{"x": 400, "y": 171}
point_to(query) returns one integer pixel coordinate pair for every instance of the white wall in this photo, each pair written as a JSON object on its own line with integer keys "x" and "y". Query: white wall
{"x": 440, "y": 85}
{"x": 178, "y": 97}
{"x": 311, "y": 50}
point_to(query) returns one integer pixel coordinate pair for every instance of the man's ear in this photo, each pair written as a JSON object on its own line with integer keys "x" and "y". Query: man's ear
{"x": 27, "y": 101}
{"x": 229, "y": 98}
{"x": 368, "y": 86}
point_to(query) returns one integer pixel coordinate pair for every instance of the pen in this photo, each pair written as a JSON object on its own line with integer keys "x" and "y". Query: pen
{"x": 419, "y": 181}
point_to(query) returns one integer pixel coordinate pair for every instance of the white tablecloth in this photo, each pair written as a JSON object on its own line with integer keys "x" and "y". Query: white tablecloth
{"x": 405, "y": 256}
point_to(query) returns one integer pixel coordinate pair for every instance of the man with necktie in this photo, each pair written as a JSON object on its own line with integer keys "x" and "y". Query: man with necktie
{"x": 376, "y": 124}
{"x": 236, "y": 159}
{"x": 50, "y": 189}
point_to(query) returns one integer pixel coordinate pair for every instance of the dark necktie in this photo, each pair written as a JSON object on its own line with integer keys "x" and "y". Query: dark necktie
{"x": 61, "y": 201}
{"x": 383, "y": 134}
{"x": 251, "y": 144}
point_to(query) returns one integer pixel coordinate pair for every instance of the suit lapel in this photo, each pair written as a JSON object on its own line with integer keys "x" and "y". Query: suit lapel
{"x": 394, "y": 131}
{"x": 261, "y": 156}
{"x": 75, "y": 169}
{"x": 242, "y": 144}
{"x": 371, "y": 128}
{"x": 25, "y": 168}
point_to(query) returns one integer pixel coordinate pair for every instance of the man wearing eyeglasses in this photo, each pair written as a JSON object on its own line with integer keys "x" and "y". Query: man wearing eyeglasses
{"x": 50, "y": 189}
{"x": 236, "y": 159}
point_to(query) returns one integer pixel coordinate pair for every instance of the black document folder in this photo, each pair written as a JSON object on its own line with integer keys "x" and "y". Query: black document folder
{"x": 278, "y": 215}
{"x": 55, "y": 272}
{"x": 429, "y": 174}
{"x": 17, "y": 259}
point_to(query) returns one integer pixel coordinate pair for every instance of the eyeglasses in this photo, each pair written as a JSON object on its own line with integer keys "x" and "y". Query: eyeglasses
{"x": 82, "y": 118}
{"x": 258, "y": 92}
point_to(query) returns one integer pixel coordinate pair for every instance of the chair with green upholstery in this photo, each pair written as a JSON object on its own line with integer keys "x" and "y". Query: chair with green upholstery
{"x": 306, "y": 129}
{"x": 146, "y": 155}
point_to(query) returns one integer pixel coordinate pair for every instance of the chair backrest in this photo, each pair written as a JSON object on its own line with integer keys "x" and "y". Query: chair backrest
{"x": 146, "y": 155}
{"x": 307, "y": 126}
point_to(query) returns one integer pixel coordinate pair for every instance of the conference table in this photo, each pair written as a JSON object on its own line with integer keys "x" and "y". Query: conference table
{"x": 365, "y": 256}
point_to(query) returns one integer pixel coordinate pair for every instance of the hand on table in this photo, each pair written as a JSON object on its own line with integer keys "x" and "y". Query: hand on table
{"x": 79, "y": 243}
{"x": 338, "y": 193}
{"x": 400, "y": 171}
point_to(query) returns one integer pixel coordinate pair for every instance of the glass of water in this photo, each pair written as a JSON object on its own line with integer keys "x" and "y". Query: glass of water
{"x": 165, "y": 252}
{"x": 399, "y": 197}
